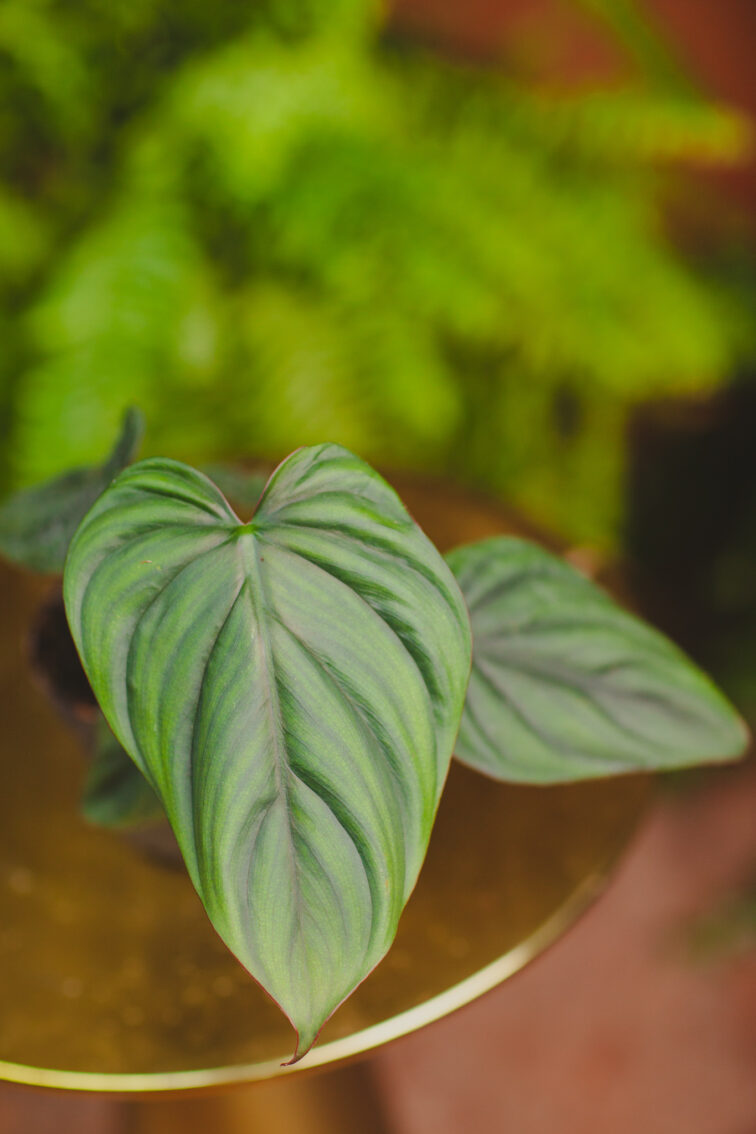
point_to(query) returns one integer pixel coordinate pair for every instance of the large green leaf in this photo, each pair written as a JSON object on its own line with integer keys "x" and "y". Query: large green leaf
{"x": 566, "y": 685}
{"x": 37, "y": 524}
{"x": 292, "y": 688}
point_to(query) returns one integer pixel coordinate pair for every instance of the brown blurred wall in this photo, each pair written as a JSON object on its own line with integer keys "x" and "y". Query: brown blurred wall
{"x": 553, "y": 40}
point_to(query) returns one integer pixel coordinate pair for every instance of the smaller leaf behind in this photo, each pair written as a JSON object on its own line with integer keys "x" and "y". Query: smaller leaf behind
{"x": 116, "y": 794}
{"x": 565, "y": 685}
{"x": 240, "y": 486}
{"x": 37, "y": 524}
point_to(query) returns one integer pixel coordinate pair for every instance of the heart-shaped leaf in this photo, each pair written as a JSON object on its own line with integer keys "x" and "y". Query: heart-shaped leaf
{"x": 37, "y": 524}
{"x": 292, "y": 688}
{"x": 565, "y": 685}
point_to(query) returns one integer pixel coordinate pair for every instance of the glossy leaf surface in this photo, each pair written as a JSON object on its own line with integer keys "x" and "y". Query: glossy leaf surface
{"x": 292, "y": 688}
{"x": 566, "y": 685}
{"x": 37, "y": 524}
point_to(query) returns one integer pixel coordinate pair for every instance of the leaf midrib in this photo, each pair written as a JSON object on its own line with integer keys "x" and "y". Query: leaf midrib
{"x": 249, "y": 554}
{"x": 590, "y": 685}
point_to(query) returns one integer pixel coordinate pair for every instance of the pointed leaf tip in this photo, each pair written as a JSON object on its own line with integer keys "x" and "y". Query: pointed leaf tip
{"x": 566, "y": 685}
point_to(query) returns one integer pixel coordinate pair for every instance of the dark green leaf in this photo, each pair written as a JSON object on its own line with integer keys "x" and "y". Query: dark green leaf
{"x": 292, "y": 688}
{"x": 116, "y": 794}
{"x": 37, "y": 524}
{"x": 565, "y": 685}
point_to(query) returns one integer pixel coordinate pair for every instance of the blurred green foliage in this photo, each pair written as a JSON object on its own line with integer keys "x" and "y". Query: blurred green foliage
{"x": 272, "y": 223}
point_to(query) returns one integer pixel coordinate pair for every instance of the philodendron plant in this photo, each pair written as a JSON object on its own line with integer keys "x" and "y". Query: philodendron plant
{"x": 290, "y": 687}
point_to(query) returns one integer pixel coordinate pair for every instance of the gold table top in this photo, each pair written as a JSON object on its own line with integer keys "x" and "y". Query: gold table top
{"x": 111, "y": 977}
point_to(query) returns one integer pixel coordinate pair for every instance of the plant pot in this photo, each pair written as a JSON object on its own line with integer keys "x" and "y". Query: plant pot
{"x": 111, "y": 977}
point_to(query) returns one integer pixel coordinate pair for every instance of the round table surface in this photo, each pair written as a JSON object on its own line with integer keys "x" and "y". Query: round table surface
{"x": 111, "y": 976}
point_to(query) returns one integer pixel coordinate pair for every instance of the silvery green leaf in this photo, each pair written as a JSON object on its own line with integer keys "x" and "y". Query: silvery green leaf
{"x": 566, "y": 685}
{"x": 292, "y": 688}
{"x": 37, "y": 524}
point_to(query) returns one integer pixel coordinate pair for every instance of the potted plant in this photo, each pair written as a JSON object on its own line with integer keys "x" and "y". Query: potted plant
{"x": 289, "y": 689}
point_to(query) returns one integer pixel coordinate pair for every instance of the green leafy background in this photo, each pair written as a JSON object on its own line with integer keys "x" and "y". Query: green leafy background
{"x": 279, "y": 223}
